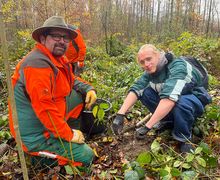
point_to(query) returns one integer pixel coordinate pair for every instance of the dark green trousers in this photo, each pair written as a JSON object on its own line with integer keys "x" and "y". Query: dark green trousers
{"x": 73, "y": 151}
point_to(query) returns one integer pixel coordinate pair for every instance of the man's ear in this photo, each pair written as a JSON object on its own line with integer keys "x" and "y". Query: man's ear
{"x": 42, "y": 39}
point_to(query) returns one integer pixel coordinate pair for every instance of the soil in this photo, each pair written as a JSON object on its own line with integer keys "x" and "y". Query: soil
{"x": 112, "y": 153}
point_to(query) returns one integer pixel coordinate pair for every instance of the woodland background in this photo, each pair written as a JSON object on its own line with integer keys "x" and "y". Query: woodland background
{"x": 129, "y": 20}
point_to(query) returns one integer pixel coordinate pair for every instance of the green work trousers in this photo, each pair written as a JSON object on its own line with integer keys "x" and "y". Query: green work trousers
{"x": 73, "y": 151}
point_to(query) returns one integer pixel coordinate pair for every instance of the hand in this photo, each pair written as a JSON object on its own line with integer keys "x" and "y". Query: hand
{"x": 118, "y": 123}
{"x": 77, "y": 137}
{"x": 90, "y": 98}
{"x": 141, "y": 132}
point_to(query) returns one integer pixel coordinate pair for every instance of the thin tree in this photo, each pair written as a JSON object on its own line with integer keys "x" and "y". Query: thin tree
{"x": 11, "y": 96}
{"x": 158, "y": 15}
{"x": 209, "y": 18}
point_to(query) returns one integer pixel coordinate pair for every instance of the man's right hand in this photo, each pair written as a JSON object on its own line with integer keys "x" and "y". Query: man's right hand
{"x": 118, "y": 123}
{"x": 78, "y": 137}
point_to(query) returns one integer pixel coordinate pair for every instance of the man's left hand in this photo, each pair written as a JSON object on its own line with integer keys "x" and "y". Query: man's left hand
{"x": 90, "y": 99}
{"x": 141, "y": 132}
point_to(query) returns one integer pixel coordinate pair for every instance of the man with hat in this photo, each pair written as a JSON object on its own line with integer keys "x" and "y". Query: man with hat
{"x": 48, "y": 97}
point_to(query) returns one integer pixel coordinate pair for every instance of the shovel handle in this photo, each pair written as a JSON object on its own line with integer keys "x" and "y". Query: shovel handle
{"x": 145, "y": 119}
{"x": 141, "y": 122}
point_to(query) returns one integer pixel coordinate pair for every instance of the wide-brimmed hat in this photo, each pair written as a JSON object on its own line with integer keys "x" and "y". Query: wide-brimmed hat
{"x": 54, "y": 22}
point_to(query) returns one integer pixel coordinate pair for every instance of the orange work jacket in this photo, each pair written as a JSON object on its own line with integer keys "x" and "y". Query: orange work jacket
{"x": 41, "y": 84}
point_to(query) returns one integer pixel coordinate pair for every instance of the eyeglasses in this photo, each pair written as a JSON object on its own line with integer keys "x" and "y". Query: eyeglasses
{"x": 57, "y": 37}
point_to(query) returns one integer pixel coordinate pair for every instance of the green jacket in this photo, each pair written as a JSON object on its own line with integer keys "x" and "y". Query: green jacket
{"x": 176, "y": 78}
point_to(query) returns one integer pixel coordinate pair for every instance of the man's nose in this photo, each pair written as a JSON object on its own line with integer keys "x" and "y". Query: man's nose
{"x": 146, "y": 63}
{"x": 62, "y": 40}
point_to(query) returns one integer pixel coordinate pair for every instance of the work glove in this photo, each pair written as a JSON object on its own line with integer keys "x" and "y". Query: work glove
{"x": 141, "y": 132}
{"x": 118, "y": 123}
{"x": 90, "y": 99}
{"x": 77, "y": 137}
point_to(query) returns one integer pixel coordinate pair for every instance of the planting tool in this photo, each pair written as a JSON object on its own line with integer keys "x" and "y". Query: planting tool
{"x": 140, "y": 123}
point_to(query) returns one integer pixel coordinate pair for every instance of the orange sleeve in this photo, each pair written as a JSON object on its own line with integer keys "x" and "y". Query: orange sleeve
{"x": 82, "y": 46}
{"x": 39, "y": 83}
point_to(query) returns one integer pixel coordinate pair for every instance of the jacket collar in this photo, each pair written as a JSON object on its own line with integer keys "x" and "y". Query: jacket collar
{"x": 57, "y": 62}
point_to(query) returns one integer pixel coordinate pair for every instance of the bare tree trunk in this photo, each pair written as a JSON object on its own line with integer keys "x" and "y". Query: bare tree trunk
{"x": 171, "y": 13}
{"x": 209, "y": 18}
{"x": 11, "y": 96}
{"x": 185, "y": 19}
{"x": 152, "y": 17}
{"x": 167, "y": 15}
{"x": 129, "y": 24}
{"x": 204, "y": 15}
{"x": 158, "y": 16}
{"x": 133, "y": 24}
{"x": 218, "y": 21}
{"x": 25, "y": 14}
{"x": 198, "y": 24}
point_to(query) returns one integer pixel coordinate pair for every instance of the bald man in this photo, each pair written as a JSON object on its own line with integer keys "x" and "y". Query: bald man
{"x": 173, "y": 92}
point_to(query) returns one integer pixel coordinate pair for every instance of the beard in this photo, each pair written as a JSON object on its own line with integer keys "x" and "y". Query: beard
{"x": 59, "y": 49}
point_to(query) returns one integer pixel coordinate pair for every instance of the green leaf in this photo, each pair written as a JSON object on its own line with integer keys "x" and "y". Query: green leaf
{"x": 188, "y": 175}
{"x": 131, "y": 175}
{"x": 144, "y": 158}
{"x": 163, "y": 173}
{"x": 95, "y": 110}
{"x": 4, "y": 117}
{"x": 126, "y": 167}
{"x": 155, "y": 146}
{"x": 169, "y": 158}
{"x": 134, "y": 164}
{"x": 69, "y": 170}
{"x": 103, "y": 174}
{"x": 186, "y": 165}
{"x": 175, "y": 172}
{"x": 177, "y": 163}
{"x": 190, "y": 157}
{"x": 212, "y": 162}
{"x": 101, "y": 114}
{"x": 104, "y": 106}
{"x": 198, "y": 150}
{"x": 167, "y": 168}
{"x": 140, "y": 171}
{"x": 136, "y": 167}
{"x": 205, "y": 148}
{"x": 201, "y": 161}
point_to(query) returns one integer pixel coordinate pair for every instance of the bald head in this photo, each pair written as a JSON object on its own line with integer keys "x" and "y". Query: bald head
{"x": 148, "y": 47}
{"x": 148, "y": 58}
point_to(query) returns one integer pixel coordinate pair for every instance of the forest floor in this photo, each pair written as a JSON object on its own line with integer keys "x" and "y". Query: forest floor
{"x": 112, "y": 153}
